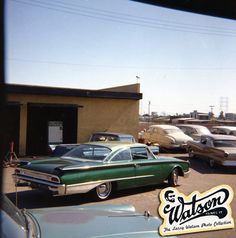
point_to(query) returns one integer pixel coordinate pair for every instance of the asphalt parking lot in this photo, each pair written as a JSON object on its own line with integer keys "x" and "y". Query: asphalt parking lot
{"x": 201, "y": 178}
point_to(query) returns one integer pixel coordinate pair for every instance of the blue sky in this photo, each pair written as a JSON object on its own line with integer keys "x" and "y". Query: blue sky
{"x": 185, "y": 61}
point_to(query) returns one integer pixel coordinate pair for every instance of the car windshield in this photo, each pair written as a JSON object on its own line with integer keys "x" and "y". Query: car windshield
{"x": 88, "y": 152}
{"x": 126, "y": 139}
{"x": 61, "y": 150}
{"x": 225, "y": 143}
{"x": 171, "y": 131}
{"x": 100, "y": 137}
{"x": 12, "y": 211}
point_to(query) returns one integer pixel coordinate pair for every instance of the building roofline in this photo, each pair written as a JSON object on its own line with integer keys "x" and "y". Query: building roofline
{"x": 69, "y": 92}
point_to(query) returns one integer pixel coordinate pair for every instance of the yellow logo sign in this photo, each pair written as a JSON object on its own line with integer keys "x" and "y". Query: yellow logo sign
{"x": 196, "y": 212}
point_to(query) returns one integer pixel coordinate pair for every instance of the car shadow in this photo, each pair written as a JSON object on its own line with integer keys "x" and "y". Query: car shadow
{"x": 31, "y": 199}
{"x": 203, "y": 167}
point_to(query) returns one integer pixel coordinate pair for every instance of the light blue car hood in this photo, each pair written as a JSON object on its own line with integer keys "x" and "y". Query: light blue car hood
{"x": 95, "y": 221}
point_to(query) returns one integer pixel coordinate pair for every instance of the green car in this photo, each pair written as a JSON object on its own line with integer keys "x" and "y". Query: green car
{"x": 101, "y": 168}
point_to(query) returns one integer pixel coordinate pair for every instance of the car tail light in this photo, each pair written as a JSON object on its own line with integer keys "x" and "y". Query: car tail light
{"x": 17, "y": 171}
{"x": 55, "y": 179}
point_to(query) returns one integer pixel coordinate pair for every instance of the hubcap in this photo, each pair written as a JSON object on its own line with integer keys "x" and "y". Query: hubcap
{"x": 175, "y": 178}
{"x": 103, "y": 190}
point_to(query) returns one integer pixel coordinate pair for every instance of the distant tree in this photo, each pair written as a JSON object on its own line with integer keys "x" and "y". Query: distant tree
{"x": 221, "y": 116}
{"x": 211, "y": 116}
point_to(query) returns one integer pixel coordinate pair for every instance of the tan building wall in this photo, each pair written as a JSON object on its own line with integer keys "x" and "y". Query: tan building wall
{"x": 108, "y": 115}
{"x": 96, "y": 114}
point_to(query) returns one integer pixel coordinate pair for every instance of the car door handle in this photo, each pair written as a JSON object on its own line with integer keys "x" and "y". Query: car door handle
{"x": 137, "y": 165}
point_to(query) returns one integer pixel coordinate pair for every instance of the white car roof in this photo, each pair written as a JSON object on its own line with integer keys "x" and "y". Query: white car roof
{"x": 165, "y": 126}
{"x": 225, "y": 127}
{"x": 192, "y": 126}
{"x": 220, "y": 137}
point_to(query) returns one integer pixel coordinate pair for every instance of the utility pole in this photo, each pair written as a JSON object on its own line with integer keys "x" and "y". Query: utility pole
{"x": 224, "y": 102}
{"x": 149, "y": 105}
{"x": 211, "y": 106}
{"x": 212, "y": 115}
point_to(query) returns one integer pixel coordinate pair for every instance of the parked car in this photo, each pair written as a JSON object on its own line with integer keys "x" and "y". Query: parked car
{"x": 224, "y": 130}
{"x": 61, "y": 149}
{"x": 167, "y": 136}
{"x": 154, "y": 149}
{"x": 76, "y": 221}
{"x": 215, "y": 149}
{"x": 111, "y": 136}
{"x": 101, "y": 168}
{"x": 194, "y": 131}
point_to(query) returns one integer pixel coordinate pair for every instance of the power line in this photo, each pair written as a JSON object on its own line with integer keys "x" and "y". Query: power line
{"x": 125, "y": 20}
{"x": 224, "y": 104}
{"x": 137, "y": 18}
{"x": 115, "y": 66}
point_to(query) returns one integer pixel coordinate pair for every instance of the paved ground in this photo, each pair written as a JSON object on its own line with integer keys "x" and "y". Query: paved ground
{"x": 201, "y": 179}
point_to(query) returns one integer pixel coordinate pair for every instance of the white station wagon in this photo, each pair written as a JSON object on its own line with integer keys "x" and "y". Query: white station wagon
{"x": 167, "y": 136}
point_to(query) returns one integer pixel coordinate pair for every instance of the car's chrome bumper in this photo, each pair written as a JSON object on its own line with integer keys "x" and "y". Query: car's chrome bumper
{"x": 228, "y": 163}
{"x": 57, "y": 189}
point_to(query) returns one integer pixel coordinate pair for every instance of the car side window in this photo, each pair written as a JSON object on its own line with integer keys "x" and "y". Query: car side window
{"x": 183, "y": 129}
{"x": 141, "y": 153}
{"x": 207, "y": 141}
{"x": 192, "y": 131}
{"x": 221, "y": 132}
{"x": 161, "y": 132}
{"x": 233, "y": 133}
{"x": 187, "y": 131}
{"x": 124, "y": 155}
{"x": 203, "y": 141}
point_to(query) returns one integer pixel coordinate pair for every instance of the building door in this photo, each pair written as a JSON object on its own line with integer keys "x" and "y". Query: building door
{"x": 10, "y": 121}
{"x": 49, "y": 123}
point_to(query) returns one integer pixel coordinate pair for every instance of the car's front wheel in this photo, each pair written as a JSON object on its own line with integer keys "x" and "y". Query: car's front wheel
{"x": 173, "y": 178}
{"x": 103, "y": 191}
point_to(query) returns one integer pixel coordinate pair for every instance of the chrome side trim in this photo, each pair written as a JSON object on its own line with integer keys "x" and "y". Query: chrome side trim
{"x": 88, "y": 186}
{"x": 63, "y": 189}
{"x": 228, "y": 163}
{"x": 105, "y": 165}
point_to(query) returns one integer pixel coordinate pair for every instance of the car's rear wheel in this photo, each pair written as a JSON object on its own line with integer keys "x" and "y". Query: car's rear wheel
{"x": 173, "y": 178}
{"x": 103, "y": 191}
